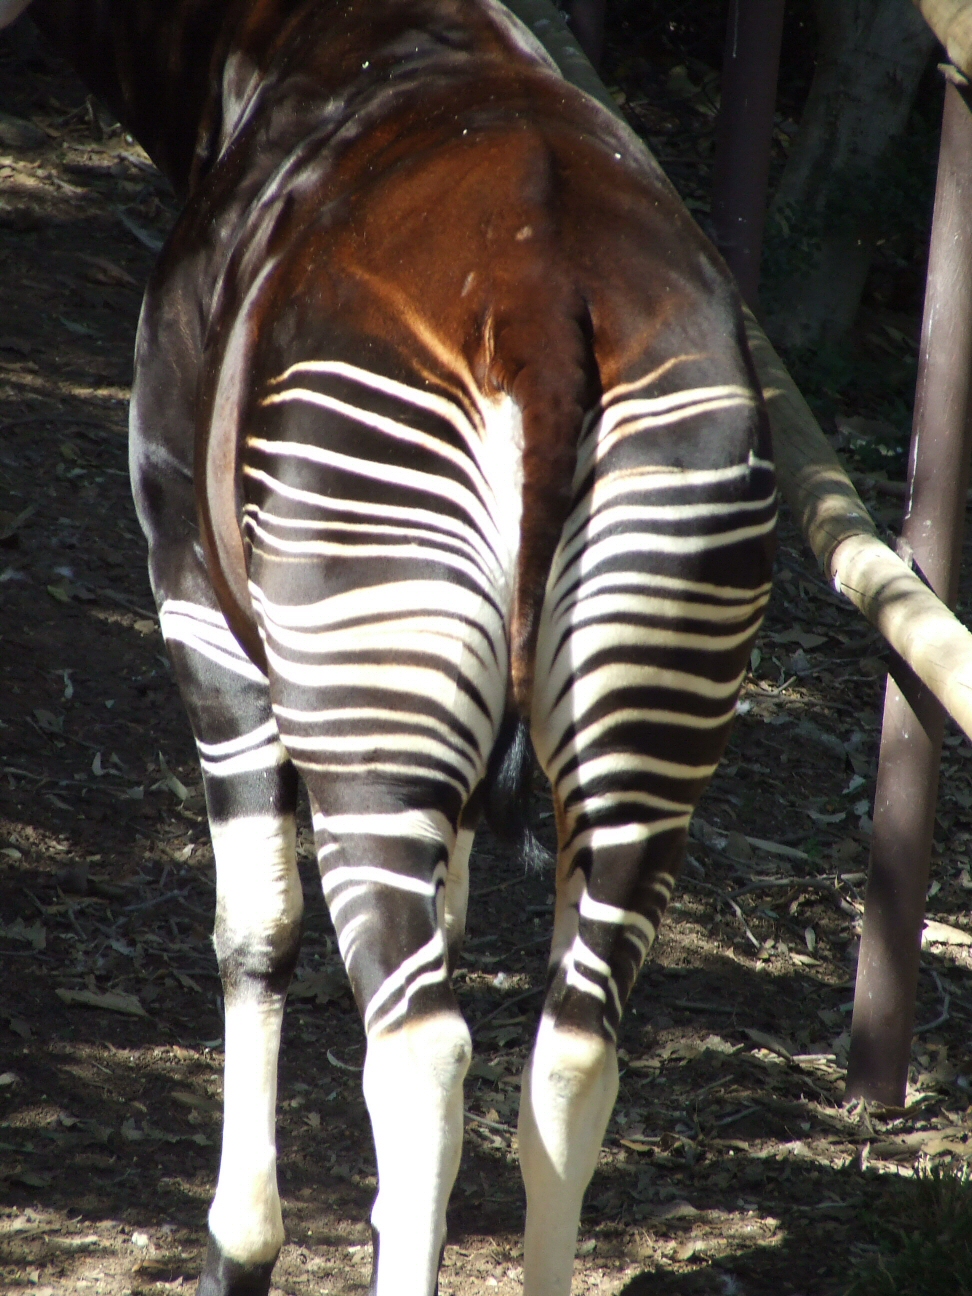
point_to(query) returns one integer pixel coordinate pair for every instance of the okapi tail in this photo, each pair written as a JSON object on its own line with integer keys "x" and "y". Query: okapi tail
{"x": 544, "y": 360}
{"x": 508, "y": 787}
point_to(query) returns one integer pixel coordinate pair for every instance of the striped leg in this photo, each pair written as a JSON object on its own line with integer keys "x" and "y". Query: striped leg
{"x": 399, "y": 911}
{"x": 251, "y": 793}
{"x": 251, "y": 786}
{"x": 656, "y": 594}
{"x": 386, "y": 876}
{"x": 382, "y": 539}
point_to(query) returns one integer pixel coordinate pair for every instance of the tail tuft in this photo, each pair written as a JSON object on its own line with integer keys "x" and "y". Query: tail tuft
{"x": 507, "y": 786}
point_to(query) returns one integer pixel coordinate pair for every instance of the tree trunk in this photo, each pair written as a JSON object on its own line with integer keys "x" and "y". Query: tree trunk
{"x": 824, "y": 214}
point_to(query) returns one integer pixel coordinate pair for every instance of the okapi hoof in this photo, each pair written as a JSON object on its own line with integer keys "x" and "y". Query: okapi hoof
{"x": 222, "y": 1276}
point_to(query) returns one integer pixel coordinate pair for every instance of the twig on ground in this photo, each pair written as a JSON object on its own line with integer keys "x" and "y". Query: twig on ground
{"x": 157, "y": 900}
{"x": 800, "y": 884}
{"x": 507, "y": 1003}
{"x": 498, "y": 886}
{"x": 490, "y": 1124}
{"x": 944, "y": 1015}
{"x": 726, "y": 899}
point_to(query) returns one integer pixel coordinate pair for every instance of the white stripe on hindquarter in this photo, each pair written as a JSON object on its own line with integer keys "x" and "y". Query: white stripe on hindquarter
{"x": 207, "y": 633}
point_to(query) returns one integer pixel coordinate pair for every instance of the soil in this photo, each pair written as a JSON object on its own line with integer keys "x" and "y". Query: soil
{"x": 731, "y": 1164}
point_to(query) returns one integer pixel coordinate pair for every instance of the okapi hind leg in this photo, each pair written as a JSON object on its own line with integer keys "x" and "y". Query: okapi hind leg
{"x": 654, "y": 599}
{"x": 251, "y": 793}
{"x": 257, "y": 939}
{"x": 385, "y": 876}
{"x": 413, "y": 1085}
{"x": 570, "y": 1082}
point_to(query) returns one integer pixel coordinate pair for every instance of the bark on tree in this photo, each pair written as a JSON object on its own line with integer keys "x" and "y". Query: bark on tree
{"x": 871, "y": 57}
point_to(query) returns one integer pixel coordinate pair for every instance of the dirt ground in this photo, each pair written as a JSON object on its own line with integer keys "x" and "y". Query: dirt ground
{"x": 731, "y": 1165}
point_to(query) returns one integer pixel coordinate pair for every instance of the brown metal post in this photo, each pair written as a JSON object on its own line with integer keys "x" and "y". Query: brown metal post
{"x": 911, "y": 738}
{"x": 744, "y": 131}
{"x": 587, "y": 23}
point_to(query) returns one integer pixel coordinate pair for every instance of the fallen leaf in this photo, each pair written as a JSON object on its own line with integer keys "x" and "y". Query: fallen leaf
{"x": 34, "y": 935}
{"x": 197, "y": 1102}
{"x": 939, "y": 933}
{"x": 48, "y": 721}
{"x": 32, "y": 1178}
{"x": 799, "y": 663}
{"x": 82, "y": 330}
{"x": 15, "y": 133}
{"x": 847, "y": 848}
{"x": 110, "y": 1000}
{"x": 328, "y": 986}
{"x": 170, "y": 781}
{"x": 738, "y": 848}
{"x": 146, "y": 237}
{"x": 718, "y": 1045}
{"x": 707, "y": 834}
{"x": 776, "y": 848}
{"x": 768, "y": 1042}
{"x": 10, "y": 523}
{"x": 102, "y": 271}
{"x": 675, "y": 1210}
{"x": 484, "y": 1071}
{"x": 821, "y": 738}
{"x": 635, "y": 1145}
{"x": 341, "y": 1066}
{"x": 805, "y": 639}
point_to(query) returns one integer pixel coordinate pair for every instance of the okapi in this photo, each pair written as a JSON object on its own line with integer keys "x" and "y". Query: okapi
{"x": 444, "y": 436}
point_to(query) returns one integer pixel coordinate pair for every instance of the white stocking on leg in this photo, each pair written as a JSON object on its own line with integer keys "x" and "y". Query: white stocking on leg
{"x": 569, "y": 1088}
{"x": 259, "y": 906}
{"x": 413, "y": 1081}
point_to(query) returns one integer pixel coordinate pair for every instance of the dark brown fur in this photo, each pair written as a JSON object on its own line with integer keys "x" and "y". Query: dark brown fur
{"x": 482, "y": 200}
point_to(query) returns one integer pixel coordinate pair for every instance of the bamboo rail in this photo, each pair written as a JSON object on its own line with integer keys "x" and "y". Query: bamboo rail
{"x": 951, "y": 21}
{"x": 814, "y": 483}
{"x": 839, "y": 530}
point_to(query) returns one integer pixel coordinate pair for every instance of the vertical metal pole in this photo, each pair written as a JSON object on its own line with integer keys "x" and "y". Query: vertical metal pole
{"x": 587, "y": 23}
{"x": 744, "y": 131}
{"x": 911, "y": 738}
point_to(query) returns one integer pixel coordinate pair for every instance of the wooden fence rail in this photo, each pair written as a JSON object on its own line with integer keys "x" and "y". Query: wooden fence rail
{"x": 814, "y": 483}
{"x": 951, "y": 21}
